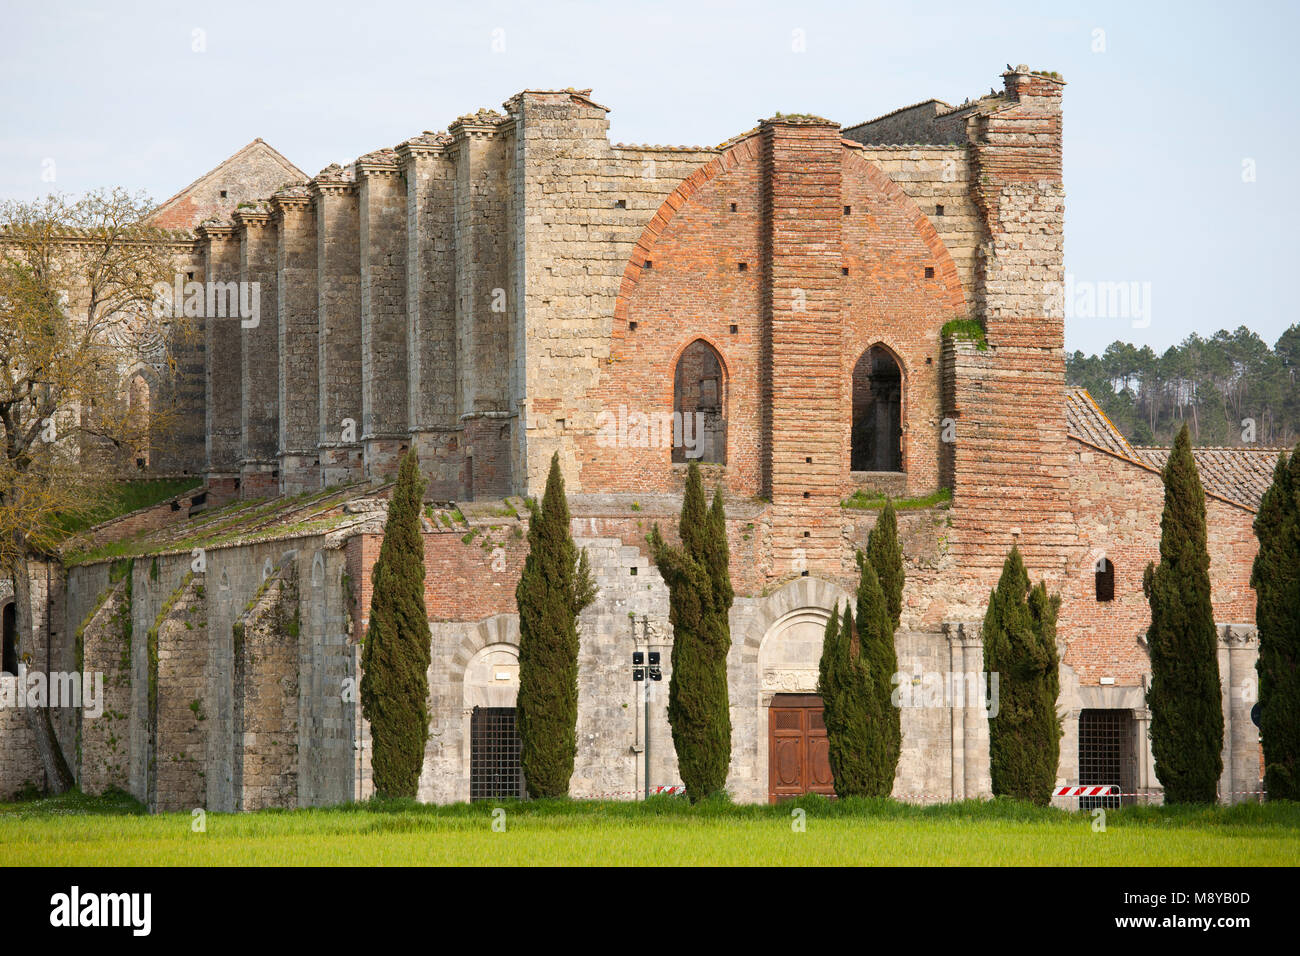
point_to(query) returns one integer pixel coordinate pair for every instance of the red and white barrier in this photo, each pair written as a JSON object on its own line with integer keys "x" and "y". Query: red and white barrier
{"x": 1107, "y": 791}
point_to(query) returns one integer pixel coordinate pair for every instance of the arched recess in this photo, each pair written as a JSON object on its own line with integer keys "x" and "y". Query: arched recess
{"x": 486, "y": 666}
{"x": 876, "y": 436}
{"x": 139, "y": 392}
{"x": 700, "y": 405}
{"x": 10, "y": 637}
{"x": 783, "y": 646}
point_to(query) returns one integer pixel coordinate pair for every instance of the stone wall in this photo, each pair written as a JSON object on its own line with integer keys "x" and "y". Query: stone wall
{"x": 265, "y": 715}
{"x": 106, "y": 650}
{"x": 224, "y": 395}
{"x": 259, "y": 356}
{"x": 384, "y": 351}
{"x": 178, "y": 701}
{"x": 339, "y": 325}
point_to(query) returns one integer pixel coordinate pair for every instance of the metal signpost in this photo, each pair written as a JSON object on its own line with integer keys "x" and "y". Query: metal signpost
{"x": 641, "y": 668}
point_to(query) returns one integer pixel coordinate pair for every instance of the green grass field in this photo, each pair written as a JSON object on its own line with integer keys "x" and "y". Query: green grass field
{"x": 112, "y": 831}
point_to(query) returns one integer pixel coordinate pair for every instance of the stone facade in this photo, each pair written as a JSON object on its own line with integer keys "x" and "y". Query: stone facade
{"x": 517, "y": 287}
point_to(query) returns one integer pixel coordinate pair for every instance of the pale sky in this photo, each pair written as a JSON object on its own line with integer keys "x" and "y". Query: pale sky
{"x": 1165, "y": 110}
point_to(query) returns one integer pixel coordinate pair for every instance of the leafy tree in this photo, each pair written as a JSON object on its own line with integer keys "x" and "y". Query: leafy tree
{"x": 395, "y": 656}
{"x": 699, "y": 586}
{"x": 77, "y": 311}
{"x": 1185, "y": 694}
{"x": 556, "y": 585}
{"x": 1020, "y": 647}
{"x": 1276, "y": 580}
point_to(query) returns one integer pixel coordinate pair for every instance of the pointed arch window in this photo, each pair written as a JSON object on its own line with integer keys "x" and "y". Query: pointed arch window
{"x": 699, "y": 406}
{"x": 877, "y": 433}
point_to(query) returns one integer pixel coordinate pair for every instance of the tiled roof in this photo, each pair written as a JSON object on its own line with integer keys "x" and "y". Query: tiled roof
{"x": 1089, "y": 423}
{"x": 1241, "y": 475}
{"x": 1238, "y": 475}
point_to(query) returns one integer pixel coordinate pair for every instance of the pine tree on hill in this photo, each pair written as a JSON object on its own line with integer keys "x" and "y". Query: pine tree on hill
{"x": 555, "y": 586}
{"x": 1020, "y": 647}
{"x": 396, "y": 654}
{"x": 699, "y": 597}
{"x": 847, "y": 700}
{"x": 1185, "y": 694}
{"x": 1276, "y": 580}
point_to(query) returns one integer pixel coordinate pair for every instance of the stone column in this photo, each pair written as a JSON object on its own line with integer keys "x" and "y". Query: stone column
{"x": 338, "y": 315}
{"x": 298, "y": 377}
{"x": 485, "y": 303}
{"x": 384, "y": 392}
{"x": 224, "y": 376}
{"x": 1239, "y": 650}
{"x": 433, "y": 409}
{"x": 1146, "y": 783}
{"x": 956, "y": 661}
{"x": 975, "y": 764}
{"x": 259, "y": 342}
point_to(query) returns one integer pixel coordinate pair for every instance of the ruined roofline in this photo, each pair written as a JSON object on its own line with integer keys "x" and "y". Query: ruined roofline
{"x": 901, "y": 109}
{"x": 990, "y": 102}
{"x": 144, "y": 234}
{"x": 290, "y": 168}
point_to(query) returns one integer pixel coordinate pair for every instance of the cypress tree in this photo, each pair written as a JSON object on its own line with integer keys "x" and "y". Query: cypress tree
{"x": 844, "y": 684}
{"x": 1020, "y": 647}
{"x": 1276, "y": 580}
{"x": 555, "y": 586}
{"x": 886, "y": 557}
{"x": 1185, "y": 702}
{"x": 396, "y": 654}
{"x": 699, "y": 597}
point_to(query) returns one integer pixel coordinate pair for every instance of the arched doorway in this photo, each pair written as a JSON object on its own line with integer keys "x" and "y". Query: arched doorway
{"x": 795, "y": 737}
{"x": 491, "y": 690}
{"x": 876, "y": 436}
{"x": 699, "y": 406}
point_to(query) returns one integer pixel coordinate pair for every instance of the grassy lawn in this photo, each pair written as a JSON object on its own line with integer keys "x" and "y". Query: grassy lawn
{"x": 112, "y": 830}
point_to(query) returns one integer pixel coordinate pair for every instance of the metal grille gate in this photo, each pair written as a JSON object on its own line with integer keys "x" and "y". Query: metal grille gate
{"x": 1106, "y": 755}
{"x": 495, "y": 771}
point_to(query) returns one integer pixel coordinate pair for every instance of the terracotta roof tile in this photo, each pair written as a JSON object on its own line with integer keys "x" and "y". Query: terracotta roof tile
{"x": 1241, "y": 475}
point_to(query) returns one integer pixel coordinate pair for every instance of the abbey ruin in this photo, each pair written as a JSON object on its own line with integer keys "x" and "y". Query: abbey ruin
{"x": 787, "y": 306}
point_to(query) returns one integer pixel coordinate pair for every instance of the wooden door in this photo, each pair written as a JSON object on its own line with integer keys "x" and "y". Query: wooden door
{"x": 798, "y": 755}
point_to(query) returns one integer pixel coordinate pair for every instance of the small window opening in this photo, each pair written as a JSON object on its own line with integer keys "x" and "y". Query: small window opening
{"x": 929, "y": 272}
{"x": 1105, "y": 580}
